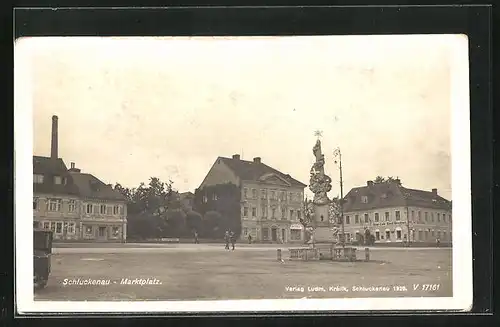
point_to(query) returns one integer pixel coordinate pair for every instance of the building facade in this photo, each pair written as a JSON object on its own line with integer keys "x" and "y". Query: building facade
{"x": 75, "y": 206}
{"x": 393, "y": 213}
{"x": 55, "y": 198}
{"x": 103, "y": 211}
{"x": 270, "y": 201}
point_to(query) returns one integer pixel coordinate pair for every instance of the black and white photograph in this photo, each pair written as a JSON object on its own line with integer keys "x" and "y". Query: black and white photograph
{"x": 259, "y": 173}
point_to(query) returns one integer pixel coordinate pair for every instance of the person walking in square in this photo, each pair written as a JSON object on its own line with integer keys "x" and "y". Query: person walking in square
{"x": 232, "y": 237}
{"x": 227, "y": 239}
{"x": 196, "y": 240}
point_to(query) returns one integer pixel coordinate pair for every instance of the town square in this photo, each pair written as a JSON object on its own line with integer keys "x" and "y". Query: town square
{"x": 208, "y": 272}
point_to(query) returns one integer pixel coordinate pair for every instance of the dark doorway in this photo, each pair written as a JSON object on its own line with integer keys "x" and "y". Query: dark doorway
{"x": 274, "y": 235}
{"x": 102, "y": 233}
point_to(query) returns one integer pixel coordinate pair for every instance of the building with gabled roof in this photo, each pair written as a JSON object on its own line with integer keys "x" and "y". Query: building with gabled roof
{"x": 394, "y": 213}
{"x": 51, "y": 176}
{"x": 270, "y": 201}
{"x": 75, "y": 205}
{"x": 91, "y": 187}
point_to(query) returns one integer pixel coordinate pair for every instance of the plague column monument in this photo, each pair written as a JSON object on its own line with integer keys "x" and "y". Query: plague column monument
{"x": 324, "y": 230}
{"x": 320, "y": 184}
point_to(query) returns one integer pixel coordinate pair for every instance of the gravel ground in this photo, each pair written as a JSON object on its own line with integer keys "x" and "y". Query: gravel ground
{"x": 208, "y": 272}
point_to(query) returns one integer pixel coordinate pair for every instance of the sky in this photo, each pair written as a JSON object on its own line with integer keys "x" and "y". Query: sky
{"x": 132, "y": 108}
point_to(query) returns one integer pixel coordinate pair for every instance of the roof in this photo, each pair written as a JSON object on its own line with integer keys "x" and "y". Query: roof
{"x": 90, "y": 186}
{"x": 384, "y": 195}
{"x": 49, "y": 167}
{"x": 252, "y": 171}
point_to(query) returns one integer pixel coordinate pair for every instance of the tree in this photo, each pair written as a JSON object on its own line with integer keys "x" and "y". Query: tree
{"x": 307, "y": 219}
{"x": 369, "y": 238}
{"x": 334, "y": 211}
{"x": 194, "y": 221}
{"x": 147, "y": 207}
{"x": 389, "y": 179}
{"x": 175, "y": 222}
{"x": 225, "y": 199}
{"x": 308, "y": 213}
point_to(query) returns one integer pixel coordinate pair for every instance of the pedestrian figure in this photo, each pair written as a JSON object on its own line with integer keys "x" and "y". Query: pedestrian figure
{"x": 249, "y": 239}
{"x": 227, "y": 239}
{"x": 438, "y": 242}
{"x": 196, "y": 241}
{"x": 232, "y": 237}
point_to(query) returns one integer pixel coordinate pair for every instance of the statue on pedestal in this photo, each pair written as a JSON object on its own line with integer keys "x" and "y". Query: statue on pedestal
{"x": 320, "y": 183}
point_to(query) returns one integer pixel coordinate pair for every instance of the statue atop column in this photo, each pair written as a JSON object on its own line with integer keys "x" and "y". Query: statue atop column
{"x": 320, "y": 183}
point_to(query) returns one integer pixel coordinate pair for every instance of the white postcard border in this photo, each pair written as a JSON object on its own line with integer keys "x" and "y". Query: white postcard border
{"x": 462, "y": 224}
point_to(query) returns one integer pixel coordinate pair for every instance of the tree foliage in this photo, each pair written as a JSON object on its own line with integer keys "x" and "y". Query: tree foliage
{"x": 388, "y": 179}
{"x": 307, "y": 217}
{"x": 213, "y": 223}
{"x": 220, "y": 207}
{"x": 194, "y": 221}
{"x": 152, "y": 210}
{"x": 334, "y": 211}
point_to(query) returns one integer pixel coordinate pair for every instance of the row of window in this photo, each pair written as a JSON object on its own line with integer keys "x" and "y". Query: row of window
{"x": 60, "y": 227}
{"x": 102, "y": 231}
{"x": 294, "y": 214}
{"x": 273, "y": 195}
{"x": 55, "y": 205}
{"x": 421, "y": 236}
{"x": 69, "y": 228}
{"x": 103, "y": 209}
{"x": 39, "y": 179}
{"x": 279, "y": 234}
{"x": 387, "y": 217}
{"x": 430, "y": 217}
{"x": 430, "y": 235}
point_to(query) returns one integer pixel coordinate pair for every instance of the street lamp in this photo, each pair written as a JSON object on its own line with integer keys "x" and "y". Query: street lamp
{"x": 409, "y": 228}
{"x": 338, "y": 154}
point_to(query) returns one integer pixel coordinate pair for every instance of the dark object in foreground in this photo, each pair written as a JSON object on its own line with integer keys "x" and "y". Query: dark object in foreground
{"x": 42, "y": 251}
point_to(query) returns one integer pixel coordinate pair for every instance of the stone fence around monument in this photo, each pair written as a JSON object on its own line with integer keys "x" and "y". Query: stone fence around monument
{"x": 303, "y": 254}
{"x": 323, "y": 252}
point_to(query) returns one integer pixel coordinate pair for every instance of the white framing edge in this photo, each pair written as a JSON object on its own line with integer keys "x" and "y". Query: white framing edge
{"x": 462, "y": 223}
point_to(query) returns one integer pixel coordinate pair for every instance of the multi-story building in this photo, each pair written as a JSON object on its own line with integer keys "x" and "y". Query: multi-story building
{"x": 103, "y": 211}
{"x": 75, "y": 206}
{"x": 55, "y": 198}
{"x": 393, "y": 213}
{"x": 270, "y": 201}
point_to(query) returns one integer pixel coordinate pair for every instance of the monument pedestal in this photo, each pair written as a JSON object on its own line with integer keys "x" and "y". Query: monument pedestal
{"x": 323, "y": 230}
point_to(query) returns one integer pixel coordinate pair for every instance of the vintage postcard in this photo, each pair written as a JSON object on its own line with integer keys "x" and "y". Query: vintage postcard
{"x": 198, "y": 174}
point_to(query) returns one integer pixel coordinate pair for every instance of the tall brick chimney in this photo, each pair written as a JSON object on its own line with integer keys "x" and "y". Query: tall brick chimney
{"x": 54, "y": 144}
{"x": 236, "y": 156}
{"x": 257, "y": 160}
{"x": 435, "y": 191}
